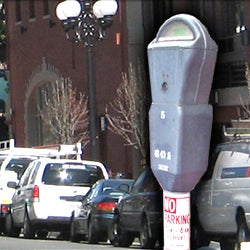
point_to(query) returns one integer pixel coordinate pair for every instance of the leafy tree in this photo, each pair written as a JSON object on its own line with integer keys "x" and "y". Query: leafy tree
{"x": 65, "y": 115}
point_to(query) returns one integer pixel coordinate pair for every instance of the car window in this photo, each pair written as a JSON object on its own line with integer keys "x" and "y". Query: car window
{"x": 1, "y": 160}
{"x": 93, "y": 193}
{"x": 138, "y": 182}
{"x": 70, "y": 174}
{"x": 34, "y": 173}
{"x": 25, "y": 177}
{"x": 18, "y": 165}
{"x": 115, "y": 187}
{"x": 150, "y": 184}
{"x": 234, "y": 164}
{"x": 208, "y": 174}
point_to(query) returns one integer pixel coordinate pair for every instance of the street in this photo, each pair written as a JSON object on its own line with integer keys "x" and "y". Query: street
{"x": 7, "y": 243}
{"x": 21, "y": 243}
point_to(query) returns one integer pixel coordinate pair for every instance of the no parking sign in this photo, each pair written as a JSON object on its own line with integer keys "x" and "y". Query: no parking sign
{"x": 176, "y": 220}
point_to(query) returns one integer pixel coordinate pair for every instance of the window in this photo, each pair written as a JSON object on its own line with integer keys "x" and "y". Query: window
{"x": 18, "y": 166}
{"x": 229, "y": 75}
{"x": 32, "y": 8}
{"x": 70, "y": 174}
{"x": 18, "y": 11}
{"x": 33, "y": 176}
{"x": 139, "y": 182}
{"x": 44, "y": 130}
{"x": 233, "y": 16}
{"x": 46, "y": 7}
{"x": 25, "y": 177}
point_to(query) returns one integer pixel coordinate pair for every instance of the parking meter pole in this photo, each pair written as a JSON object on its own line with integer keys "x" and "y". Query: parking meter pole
{"x": 176, "y": 220}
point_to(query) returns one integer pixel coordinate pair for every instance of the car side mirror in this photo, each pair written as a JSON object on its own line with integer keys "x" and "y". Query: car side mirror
{"x": 124, "y": 188}
{"x": 12, "y": 184}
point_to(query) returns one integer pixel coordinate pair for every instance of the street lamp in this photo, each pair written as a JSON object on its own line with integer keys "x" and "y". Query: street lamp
{"x": 86, "y": 21}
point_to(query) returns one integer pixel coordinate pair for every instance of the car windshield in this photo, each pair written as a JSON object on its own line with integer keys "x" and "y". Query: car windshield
{"x": 116, "y": 187}
{"x": 71, "y": 174}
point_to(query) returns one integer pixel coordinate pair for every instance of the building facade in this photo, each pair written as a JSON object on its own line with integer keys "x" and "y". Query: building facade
{"x": 38, "y": 53}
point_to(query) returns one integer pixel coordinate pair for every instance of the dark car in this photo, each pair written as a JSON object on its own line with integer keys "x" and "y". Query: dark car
{"x": 139, "y": 214}
{"x": 90, "y": 221}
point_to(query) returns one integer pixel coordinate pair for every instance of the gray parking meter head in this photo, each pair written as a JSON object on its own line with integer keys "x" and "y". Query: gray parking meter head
{"x": 181, "y": 65}
{"x": 181, "y": 61}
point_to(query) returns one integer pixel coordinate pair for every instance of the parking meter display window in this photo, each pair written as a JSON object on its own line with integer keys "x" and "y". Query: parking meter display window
{"x": 176, "y": 31}
{"x": 181, "y": 68}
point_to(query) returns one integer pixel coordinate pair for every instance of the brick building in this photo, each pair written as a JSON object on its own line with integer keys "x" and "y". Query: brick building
{"x": 38, "y": 53}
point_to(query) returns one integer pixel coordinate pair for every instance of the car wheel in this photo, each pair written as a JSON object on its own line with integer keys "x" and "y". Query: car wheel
{"x": 228, "y": 244}
{"x": 10, "y": 229}
{"x": 117, "y": 236}
{"x": 146, "y": 241}
{"x": 42, "y": 234}
{"x": 242, "y": 229}
{"x": 73, "y": 236}
{"x": 2, "y": 227}
{"x": 91, "y": 235}
{"x": 28, "y": 231}
{"x": 199, "y": 238}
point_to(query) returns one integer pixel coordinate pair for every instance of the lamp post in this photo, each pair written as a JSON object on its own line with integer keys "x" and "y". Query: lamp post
{"x": 86, "y": 21}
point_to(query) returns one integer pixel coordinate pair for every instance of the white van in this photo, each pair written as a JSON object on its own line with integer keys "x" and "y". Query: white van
{"x": 14, "y": 161}
{"x": 48, "y": 192}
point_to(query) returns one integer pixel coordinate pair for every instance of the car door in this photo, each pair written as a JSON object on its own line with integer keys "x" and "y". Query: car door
{"x": 132, "y": 204}
{"x": 87, "y": 205}
{"x": 230, "y": 189}
{"x": 19, "y": 197}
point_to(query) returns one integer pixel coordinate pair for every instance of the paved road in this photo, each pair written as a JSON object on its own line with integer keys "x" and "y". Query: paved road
{"x": 7, "y": 243}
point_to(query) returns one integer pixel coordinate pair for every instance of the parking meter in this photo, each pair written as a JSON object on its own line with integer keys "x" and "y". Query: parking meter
{"x": 181, "y": 65}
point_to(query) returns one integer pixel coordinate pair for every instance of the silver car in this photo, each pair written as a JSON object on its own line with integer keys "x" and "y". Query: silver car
{"x": 221, "y": 209}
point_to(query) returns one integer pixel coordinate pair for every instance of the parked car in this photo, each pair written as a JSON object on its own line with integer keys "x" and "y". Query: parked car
{"x": 11, "y": 169}
{"x": 139, "y": 214}
{"x": 221, "y": 208}
{"x": 91, "y": 219}
{"x": 47, "y": 194}
{"x": 14, "y": 161}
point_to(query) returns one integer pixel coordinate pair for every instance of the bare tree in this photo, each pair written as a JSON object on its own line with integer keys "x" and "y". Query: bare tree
{"x": 244, "y": 105}
{"x": 127, "y": 114}
{"x": 65, "y": 115}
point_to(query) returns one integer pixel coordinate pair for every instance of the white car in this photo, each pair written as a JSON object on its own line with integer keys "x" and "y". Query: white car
{"x": 47, "y": 193}
{"x": 11, "y": 169}
{"x": 13, "y": 162}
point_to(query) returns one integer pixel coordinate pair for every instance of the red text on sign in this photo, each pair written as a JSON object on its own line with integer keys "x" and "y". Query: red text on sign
{"x": 170, "y": 205}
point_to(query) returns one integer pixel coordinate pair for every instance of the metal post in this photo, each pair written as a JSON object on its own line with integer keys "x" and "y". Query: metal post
{"x": 92, "y": 105}
{"x": 88, "y": 26}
